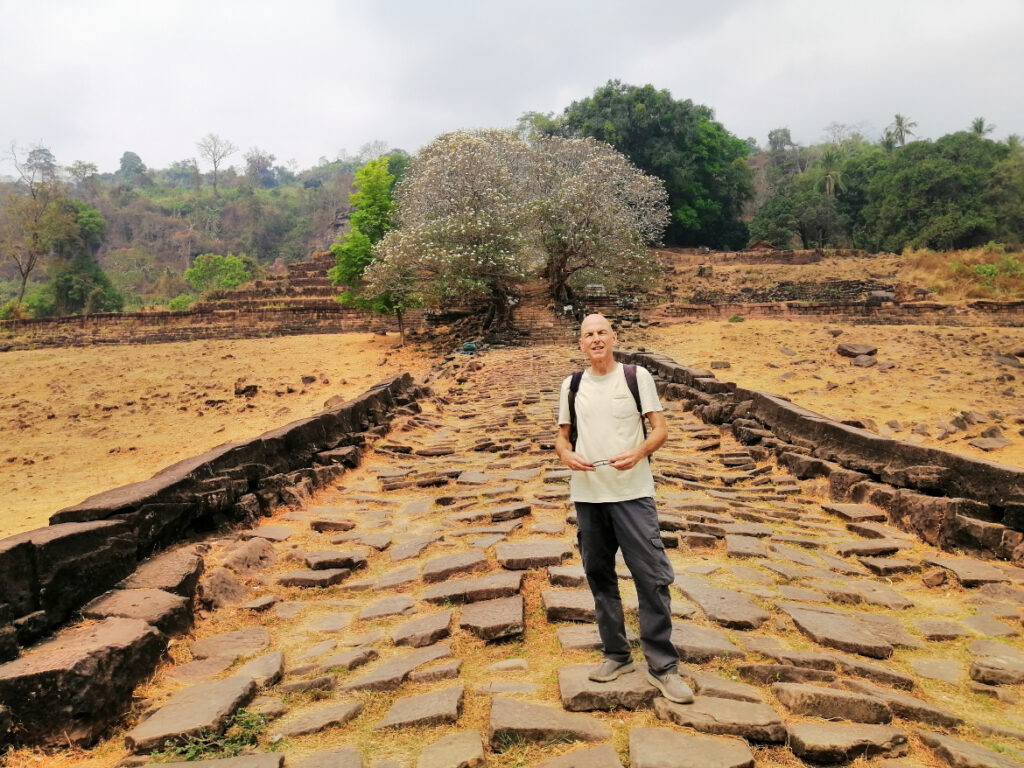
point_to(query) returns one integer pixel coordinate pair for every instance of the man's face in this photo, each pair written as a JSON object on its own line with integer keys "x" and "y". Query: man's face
{"x": 597, "y": 339}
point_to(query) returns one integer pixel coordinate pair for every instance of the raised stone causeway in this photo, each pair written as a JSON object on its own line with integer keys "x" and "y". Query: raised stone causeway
{"x": 442, "y": 618}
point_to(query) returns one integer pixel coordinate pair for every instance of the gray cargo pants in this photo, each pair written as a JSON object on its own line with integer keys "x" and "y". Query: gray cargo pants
{"x": 632, "y": 526}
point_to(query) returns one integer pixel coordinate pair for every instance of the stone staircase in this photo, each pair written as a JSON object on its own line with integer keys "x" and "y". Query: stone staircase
{"x": 430, "y": 610}
{"x": 306, "y": 284}
{"x": 538, "y": 321}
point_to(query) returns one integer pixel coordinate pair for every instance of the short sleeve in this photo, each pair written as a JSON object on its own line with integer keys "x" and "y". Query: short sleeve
{"x": 649, "y": 401}
{"x": 563, "y": 402}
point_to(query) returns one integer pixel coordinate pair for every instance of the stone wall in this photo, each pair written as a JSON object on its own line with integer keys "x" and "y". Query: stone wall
{"x": 48, "y": 574}
{"x": 949, "y": 500}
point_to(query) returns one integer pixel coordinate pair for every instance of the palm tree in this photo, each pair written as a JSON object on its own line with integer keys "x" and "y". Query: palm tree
{"x": 888, "y": 140}
{"x": 901, "y": 128}
{"x": 980, "y": 127}
{"x": 831, "y": 174}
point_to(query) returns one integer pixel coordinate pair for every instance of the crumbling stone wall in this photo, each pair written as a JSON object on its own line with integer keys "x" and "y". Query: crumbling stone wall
{"x": 47, "y": 574}
{"x": 951, "y": 501}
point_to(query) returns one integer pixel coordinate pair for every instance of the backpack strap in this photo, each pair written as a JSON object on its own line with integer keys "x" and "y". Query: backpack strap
{"x": 574, "y": 387}
{"x": 630, "y": 371}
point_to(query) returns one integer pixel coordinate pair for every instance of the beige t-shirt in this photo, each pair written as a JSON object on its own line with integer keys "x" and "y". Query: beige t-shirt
{"x": 608, "y": 423}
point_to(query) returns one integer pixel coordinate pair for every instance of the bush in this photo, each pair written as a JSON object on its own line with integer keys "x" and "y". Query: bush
{"x": 181, "y": 302}
{"x": 737, "y": 319}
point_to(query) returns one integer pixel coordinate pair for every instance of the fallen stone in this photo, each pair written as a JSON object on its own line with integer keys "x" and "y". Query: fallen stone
{"x": 535, "y": 553}
{"x": 848, "y": 349}
{"x": 221, "y": 588}
{"x": 320, "y": 716}
{"x": 997, "y": 670}
{"x": 462, "y": 749}
{"x": 433, "y": 708}
{"x": 986, "y": 625}
{"x": 572, "y": 576}
{"x": 783, "y": 673}
{"x": 708, "y": 684}
{"x": 247, "y": 761}
{"x": 723, "y": 606}
{"x": 269, "y": 707}
{"x": 264, "y": 670}
{"x": 252, "y": 555}
{"x": 199, "y": 671}
{"x": 836, "y": 630}
{"x": 269, "y": 532}
{"x": 203, "y": 707}
{"x": 232, "y": 645}
{"x": 260, "y": 604}
{"x": 568, "y": 604}
{"x": 471, "y": 590}
{"x": 439, "y": 569}
{"x": 946, "y": 670}
{"x": 310, "y": 578}
{"x": 841, "y": 742}
{"x": 71, "y": 688}
{"x": 331, "y": 525}
{"x": 664, "y": 747}
{"x": 831, "y": 704}
{"x": 579, "y": 694}
{"x": 394, "y": 671}
{"x": 870, "y": 547}
{"x": 961, "y": 754}
{"x": 856, "y": 512}
{"x": 331, "y": 559}
{"x": 879, "y": 674}
{"x": 753, "y": 721}
{"x": 446, "y": 671}
{"x": 171, "y": 614}
{"x": 494, "y": 619}
{"x": 512, "y": 720}
{"x": 397, "y": 578}
{"x": 698, "y": 644}
{"x": 321, "y": 683}
{"x": 334, "y": 622}
{"x": 395, "y": 605}
{"x": 423, "y": 631}
{"x": 970, "y": 573}
{"x": 509, "y": 512}
{"x": 347, "y": 660}
{"x": 907, "y": 707}
{"x": 745, "y": 546}
{"x": 412, "y": 548}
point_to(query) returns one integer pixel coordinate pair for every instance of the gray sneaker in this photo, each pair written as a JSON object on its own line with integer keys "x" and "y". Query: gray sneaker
{"x": 610, "y": 670}
{"x": 671, "y": 686}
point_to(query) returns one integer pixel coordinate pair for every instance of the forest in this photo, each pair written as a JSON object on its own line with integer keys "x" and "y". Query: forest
{"x": 74, "y": 239}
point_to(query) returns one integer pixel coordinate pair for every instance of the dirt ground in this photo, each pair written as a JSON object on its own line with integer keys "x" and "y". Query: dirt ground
{"x": 939, "y": 372}
{"x": 76, "y": 422}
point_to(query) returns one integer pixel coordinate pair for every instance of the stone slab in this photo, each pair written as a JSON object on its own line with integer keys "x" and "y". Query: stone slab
{"x": 339, "y": 757}
{"x": 264, "y": 670}
{"x": 441, "y": 568}
{"x": 831, "y": 704}
{"x": 603, "y": 756}
{"x": 568, "y": 604}
{"x": 317, "y": 717}
{"x": 669, "y": 748}
{"x": 433, "y": 708}
{"x": 907, "y": 707}
{"x": 494, "y": 619}
{"x": 171, "y": 614}
{"x": 234, "y": 645}
{"x": 512, "y": 719}
{"x": 309, "y": 578}
{"x": 462, "y": 749}
{"x": 837, "y": 630}
{"x": 531, "y": 553}
{"x": 329, "y": 559}
{"x": 579, "y": 694}
{"x": 246, "y": 761}
{"x": 394, "y": 605}
{"x": 390, "y": 674}
{"x": 841, "y": 742}
{"x": 426, "y": 630}
{"x": 961, "y": 754}
{"x": 699, "y": 644}
{"x": 177, "y": 572}
{"x": 203, "y": 707}
{"x": 752, "y": 721}
{"x": 586, "y": 637}
{"x": 471, "y": 590}
{"x": 723, "y": 606}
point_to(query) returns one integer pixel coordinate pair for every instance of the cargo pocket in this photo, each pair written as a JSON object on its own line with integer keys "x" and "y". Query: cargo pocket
{"x": 663, "y": 571}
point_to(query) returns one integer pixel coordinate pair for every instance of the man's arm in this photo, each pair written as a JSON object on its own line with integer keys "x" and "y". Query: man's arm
{"x": 654, "y": 441}
{"x": 569, "y": 457}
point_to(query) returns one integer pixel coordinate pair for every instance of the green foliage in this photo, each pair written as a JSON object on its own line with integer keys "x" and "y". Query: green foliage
{"x": 212, "y": 272}
{"x": 703, "y": 165}
{"x": 243, "y": 734}
{"x": 181, "y": 302}
{"x": 81, "y": 286}
{"x": 736, "y": 319}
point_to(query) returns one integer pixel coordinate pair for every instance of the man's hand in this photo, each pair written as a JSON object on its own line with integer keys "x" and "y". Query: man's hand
{"x": 628, "y": 460}
{"x": 576, "y": 461}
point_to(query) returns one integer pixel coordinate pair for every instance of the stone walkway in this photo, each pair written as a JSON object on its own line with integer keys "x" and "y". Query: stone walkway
{"x": 432, "y": 612}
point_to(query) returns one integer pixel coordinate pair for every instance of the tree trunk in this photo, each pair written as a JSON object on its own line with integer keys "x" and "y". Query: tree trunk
{"x": 401, "y": 326}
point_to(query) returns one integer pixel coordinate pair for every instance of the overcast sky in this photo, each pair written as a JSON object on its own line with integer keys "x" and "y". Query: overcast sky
{"x": 303, "y": 79}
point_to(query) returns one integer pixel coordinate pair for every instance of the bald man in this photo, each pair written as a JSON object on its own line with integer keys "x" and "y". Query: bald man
{"x": 613, "y": 490}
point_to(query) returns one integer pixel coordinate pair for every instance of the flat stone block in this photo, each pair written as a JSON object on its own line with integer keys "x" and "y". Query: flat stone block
{"x": 330, "y": 559}
{"x": 493, "y": 619}
{"x": 514, "y": 719}
{"x": 462, "y": 749}
{"x": 440, "y": 568}
{"x": 753, "y": 721}
{"x": 394, "y": 671}
{"x": 830, "y": 704}
{"x": 723, "y": 606}
{"x": 423, "y": 631}
{"x": 471, "y": 590}
{"x": 537, "y": 553}
{"x": 433, "y": 708}
{"x": 339, "y": 757}
{"x": 663, "y": 747}
{"x": 320, "y": 716}
{"x": 395, "y": 605}
{"x": 586, "y": 638}
{"x": 247, "y": 761}
{"x": 203, "y": 707}
{"x": 234, "y": 645}
{"x": 171, "y": 614}
{"x": 177, "y": 572}
{"x": 907, "y": 707}
{"x": 579, "y": 694}
{"x": 840, "y": 742}
{"x": 961, "y": 754}
{"x": 569, "y": 604}
{"x": 698, "y": 644}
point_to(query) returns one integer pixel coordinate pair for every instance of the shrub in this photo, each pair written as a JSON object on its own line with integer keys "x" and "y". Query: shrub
{"x": 737, "y": 319}
{"x": 181, "y": 302}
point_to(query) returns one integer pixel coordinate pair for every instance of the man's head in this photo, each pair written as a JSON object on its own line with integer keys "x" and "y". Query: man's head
{"x": 597, "y": 339}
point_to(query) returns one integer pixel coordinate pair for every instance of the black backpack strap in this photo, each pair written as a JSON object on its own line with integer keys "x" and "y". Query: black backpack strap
{"x": 574, "y": 387}
{"x": 630, "y": 372}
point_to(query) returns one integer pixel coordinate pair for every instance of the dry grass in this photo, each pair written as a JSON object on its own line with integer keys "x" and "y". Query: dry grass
{"x": 989, "y": 272}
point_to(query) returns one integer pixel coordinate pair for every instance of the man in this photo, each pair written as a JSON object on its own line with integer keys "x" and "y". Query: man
{"x": 613, "y": 490}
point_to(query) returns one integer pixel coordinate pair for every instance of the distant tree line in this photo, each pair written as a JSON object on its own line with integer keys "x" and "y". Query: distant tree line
{"x": 959, "y": 191}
